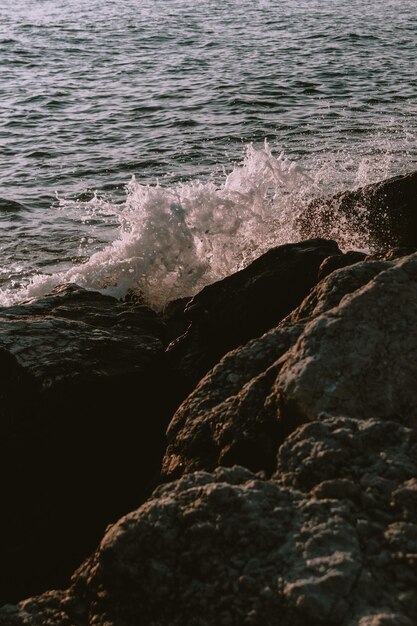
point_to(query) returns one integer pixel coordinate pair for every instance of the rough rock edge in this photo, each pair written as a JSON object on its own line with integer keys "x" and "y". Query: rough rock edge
{"x": 237, "y": 415}
{"x": 231, "y": 548}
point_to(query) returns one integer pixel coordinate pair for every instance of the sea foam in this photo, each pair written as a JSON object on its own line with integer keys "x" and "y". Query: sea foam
{"x": 173, "y": 240}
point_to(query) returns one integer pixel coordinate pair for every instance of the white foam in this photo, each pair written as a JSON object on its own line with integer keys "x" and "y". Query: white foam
{"x": 173, "y": 240}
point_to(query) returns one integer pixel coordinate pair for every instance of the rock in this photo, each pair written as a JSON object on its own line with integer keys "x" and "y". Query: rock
{"x": 341, "y": 457}
{"x": 230, "y": 417}
{"x": 323, "y": 407}
{"x": 330, "y": 292}
{"x": 359, "y": 358}
{"x": 337, "y": 261}
{"x": 176, "y": 320}
{"x": 232, "y": 548}
{"x": 316, "y": 399}
{"x": 75, "y": 454}
{"x": 228, "y": 313}
{"x": 236, "y": 415}
{"x": 379, "y": 216}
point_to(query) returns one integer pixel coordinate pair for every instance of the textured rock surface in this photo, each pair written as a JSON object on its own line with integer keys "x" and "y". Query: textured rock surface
{"x": 73, "y": 454}
{"x": 242, "y": 306}
{"x": 351, "y": 333}
{"x": 74, "y": 363}
{"x": 383, "y": 214}
{"x": 231, "y": 417}
{"x": 359, "y": 358}
{"x": 331, "y": 540}
{"x": 324, "y": 405}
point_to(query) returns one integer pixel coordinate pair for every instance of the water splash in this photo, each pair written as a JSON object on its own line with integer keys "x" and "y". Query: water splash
{"x": 173, "y": 240}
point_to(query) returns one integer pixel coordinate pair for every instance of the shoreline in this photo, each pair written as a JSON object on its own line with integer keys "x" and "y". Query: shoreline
{"x": 257, "y": 441}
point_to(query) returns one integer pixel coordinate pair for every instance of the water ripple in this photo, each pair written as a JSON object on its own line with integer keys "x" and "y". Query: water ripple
{"x": 92, "y": 92}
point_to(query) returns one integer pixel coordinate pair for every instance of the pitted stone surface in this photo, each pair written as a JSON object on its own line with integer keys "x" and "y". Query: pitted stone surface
{"x": 359, "y": 358}
{"x": 232, "y": 548}
{"x": 349, "y": 348}
{"x": 325, "y": 405}
{"x": 230, "y": 417}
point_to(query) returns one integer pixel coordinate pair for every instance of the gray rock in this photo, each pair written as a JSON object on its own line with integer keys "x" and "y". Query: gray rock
{"x": 360, "y": 357}
{"x": 245, "y": 407}
{"x": 231, "y": 417}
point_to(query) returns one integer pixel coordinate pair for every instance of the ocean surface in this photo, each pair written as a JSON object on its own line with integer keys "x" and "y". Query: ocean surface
{"x": 159, "y": 145}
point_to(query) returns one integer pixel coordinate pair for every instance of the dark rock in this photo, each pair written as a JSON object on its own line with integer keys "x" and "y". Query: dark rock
{"x": 338, "y": 261}
{"x": 176, "y": 319}
{"x": 380, "y": 216}
{"x": 232, "y": 548}
{"x": 228, "y": 313}
{"x": 75, "y": 454}
{"x": 392, "y": 253}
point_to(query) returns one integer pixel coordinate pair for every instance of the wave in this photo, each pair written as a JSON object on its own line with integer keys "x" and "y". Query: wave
{"x": 173, "y": 240}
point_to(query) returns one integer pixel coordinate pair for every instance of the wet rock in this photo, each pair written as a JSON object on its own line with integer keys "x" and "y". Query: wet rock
{"x": 337, "y": 261}
{"x": 228, "y": 313}
{"x": 75, "y": 455}
{"x": 383, "y": 215}
{"x": 175, "y": 318}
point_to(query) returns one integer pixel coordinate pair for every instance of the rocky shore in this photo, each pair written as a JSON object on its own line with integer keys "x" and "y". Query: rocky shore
{"x": 248, "y": 456}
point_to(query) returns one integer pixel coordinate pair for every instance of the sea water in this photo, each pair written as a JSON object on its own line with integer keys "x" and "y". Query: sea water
{"x": 159, "y": 145}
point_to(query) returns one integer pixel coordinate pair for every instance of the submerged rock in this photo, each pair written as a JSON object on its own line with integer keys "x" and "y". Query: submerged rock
{"x": 7, "y": 205}
{"x": 75, "y": 456}
{"x": 383, "y": 214}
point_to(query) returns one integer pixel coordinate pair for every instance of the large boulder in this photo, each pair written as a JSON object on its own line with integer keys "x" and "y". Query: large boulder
{"x": 379, "y": 216}
{"x": 244, "y": 305}
{"x": 74, "y": 456}
{"x": 329, "y": 541}
{"x": 359, "y": 358}
{"x": 324, "y": 406}
{"x": 350, "y": 348}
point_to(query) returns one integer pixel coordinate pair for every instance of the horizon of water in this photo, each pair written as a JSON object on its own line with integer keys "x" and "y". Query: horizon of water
{"x": 161, "y": 146}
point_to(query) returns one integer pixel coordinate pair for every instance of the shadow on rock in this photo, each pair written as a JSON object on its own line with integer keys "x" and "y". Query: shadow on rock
{"x": 82, "y": 421}
{"x": 228, "y": 313}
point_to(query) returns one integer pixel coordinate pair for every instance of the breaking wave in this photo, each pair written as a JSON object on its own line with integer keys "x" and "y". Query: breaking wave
{"x": 173, "y": 240}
